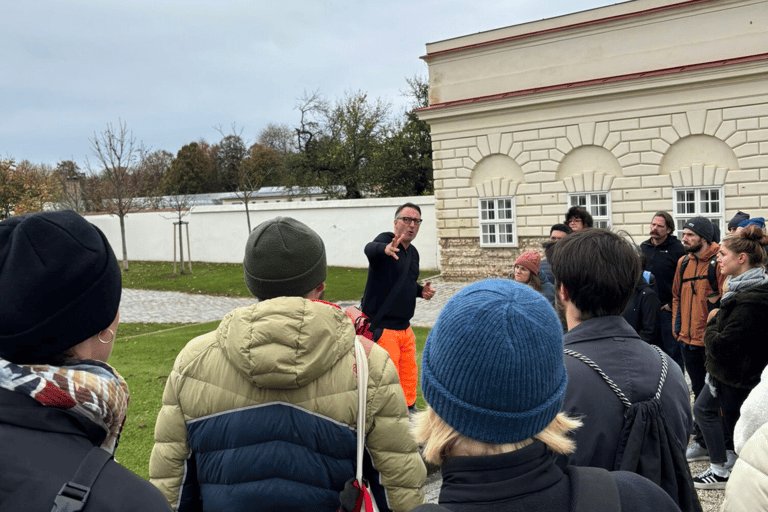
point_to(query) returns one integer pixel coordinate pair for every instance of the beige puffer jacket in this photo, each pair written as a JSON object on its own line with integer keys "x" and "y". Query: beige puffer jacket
{"x": 747, "y": 488}
{"x": 290, "y": 350}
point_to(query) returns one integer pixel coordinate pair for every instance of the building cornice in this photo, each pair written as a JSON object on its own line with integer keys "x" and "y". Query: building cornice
{"x": 595, "y": 86}
{"x": 564, "y": 28}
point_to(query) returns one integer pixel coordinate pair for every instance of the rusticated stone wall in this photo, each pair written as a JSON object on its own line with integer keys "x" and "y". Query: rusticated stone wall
{"x": 463, "y": 260}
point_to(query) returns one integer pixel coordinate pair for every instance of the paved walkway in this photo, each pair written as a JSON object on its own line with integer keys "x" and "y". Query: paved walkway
{"x": 146, "y": 306}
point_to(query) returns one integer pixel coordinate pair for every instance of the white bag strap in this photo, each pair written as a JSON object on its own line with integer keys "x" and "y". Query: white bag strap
{"x": 361, "y": 362}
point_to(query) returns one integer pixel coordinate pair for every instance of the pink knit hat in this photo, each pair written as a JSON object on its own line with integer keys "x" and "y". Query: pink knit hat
{"x": 530, "y": 260}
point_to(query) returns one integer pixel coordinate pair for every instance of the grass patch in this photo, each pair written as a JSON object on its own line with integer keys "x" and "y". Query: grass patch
{"x": 226, "y": 279}
{"x": 144, "y": 356}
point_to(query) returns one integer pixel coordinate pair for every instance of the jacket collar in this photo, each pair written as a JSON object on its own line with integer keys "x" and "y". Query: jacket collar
{"x": 601, "y": 327}
{"x": 470, "y": 479}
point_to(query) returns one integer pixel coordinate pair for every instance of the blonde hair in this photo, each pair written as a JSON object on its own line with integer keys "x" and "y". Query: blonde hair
{"x": 441, "y": 441}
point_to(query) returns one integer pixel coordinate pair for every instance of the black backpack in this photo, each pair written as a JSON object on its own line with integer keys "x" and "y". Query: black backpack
{"x": 647, "y": 444}
{"x": 711, "y": 277}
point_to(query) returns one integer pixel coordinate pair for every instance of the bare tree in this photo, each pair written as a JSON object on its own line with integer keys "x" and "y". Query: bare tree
{"x": 260, "y": 164}
{"x": 181, "y": 204}
{"x": 118, "y": 159}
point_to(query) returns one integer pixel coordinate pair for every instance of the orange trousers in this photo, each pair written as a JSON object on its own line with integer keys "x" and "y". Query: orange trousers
{"x": 401, "y": 346}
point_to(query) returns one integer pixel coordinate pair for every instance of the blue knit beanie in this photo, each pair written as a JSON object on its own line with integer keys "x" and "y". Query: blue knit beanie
{"x": 757, "y": 221}
{"x": 493, "y": 365}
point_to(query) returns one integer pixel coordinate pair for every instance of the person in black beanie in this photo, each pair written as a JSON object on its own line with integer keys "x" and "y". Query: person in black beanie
{"x": 60, "y": 288}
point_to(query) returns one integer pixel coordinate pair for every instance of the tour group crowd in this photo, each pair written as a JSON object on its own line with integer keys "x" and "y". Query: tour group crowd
{"x": 560, "y": 388}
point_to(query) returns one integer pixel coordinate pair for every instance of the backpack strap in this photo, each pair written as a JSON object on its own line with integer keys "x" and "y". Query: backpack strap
{"x": 75, "y": 493}
{"x": 593, "y": 490}
{"x": 584, "y": 359}
{"x": 711, "y": 273}
{"x": 619, "y": 393}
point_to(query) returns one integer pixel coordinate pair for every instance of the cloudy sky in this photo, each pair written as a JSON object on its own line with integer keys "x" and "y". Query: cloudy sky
{"x": 174, "y": 71}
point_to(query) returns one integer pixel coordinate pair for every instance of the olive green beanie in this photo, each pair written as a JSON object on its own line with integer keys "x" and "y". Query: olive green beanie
{"x": 283, "y": 258}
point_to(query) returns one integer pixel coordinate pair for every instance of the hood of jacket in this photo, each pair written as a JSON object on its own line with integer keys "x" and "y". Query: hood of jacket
{"x": 286, "y": 342}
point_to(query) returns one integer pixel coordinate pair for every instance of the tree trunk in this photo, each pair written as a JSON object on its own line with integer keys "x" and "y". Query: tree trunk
{"x": 125, "y": 248}
{"x": 181, "y": 246}
{"x": 247, "y": 214}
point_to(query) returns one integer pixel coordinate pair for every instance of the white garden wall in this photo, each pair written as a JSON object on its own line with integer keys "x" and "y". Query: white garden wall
{"x": 219, "y": 233}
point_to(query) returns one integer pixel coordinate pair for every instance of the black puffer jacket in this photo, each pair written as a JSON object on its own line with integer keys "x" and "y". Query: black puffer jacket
{"x": 42, "y": 447}
{"x": 736, "y": 339}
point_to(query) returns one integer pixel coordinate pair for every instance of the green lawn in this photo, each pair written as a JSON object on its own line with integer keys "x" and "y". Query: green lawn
{"x": 144, "y": 355}
{"x": 342, "y": 283}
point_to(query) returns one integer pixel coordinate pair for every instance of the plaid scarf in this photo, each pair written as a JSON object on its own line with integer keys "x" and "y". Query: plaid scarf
{"x": 89, "y": 388}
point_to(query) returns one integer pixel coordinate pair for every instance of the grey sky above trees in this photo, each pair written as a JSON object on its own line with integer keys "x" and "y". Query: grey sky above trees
{"x": 173, "y": 72}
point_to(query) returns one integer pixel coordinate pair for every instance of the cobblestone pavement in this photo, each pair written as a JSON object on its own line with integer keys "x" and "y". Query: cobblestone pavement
{"x": 172, "y": 307}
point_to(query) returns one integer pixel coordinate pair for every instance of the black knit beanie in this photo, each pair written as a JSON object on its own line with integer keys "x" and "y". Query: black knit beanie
{"x": 283, "y": 258}
{"x": 702, "y": 226}
{"x": 734, "y": 222}
{"x": 59, "y": 285}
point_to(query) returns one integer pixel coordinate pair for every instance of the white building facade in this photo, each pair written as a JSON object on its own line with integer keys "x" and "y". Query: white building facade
{"x": 628, "y": 109}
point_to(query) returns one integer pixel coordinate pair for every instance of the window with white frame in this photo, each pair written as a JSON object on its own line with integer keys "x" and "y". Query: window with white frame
{"x": 598, "y": 205}
{"x": 497, "y": 222}
{"x": 698, "y": 202}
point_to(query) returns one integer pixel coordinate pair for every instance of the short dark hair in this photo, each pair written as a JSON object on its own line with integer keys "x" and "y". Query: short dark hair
{"x": 408, "y": 205}
{"x": 667, "y": 220}
{"x": 561, "y": 227}
{"x": 579, "y": 212}
{"x": 599, "y": 269}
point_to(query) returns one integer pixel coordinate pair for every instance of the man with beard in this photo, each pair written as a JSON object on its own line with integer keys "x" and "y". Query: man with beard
{"x": 390, "y": 294}
{"x": 693, "y": 296}
{"x": 662, "y": 252}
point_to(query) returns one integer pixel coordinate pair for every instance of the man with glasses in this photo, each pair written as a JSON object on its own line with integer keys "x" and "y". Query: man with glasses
{"x": 390, "y": 294}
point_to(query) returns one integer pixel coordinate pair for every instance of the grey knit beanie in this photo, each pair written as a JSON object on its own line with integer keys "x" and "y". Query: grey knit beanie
{"x": 702, "y": 226}
{"x": 283, "y": 258}
{"x": 493, "y": 365}
{"x": 60, "y": 284}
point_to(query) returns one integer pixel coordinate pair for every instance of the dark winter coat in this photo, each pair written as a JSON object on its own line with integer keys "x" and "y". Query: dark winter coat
{"x": 528, "y": 480}
{"x": 736, "y": 339}
{"x": 661, "y": 260}
{"x": 635, "y": 367}
{"x": 642, "y": 311}
{"x": 383, "y": 273}
{"x": 42, "y": 447}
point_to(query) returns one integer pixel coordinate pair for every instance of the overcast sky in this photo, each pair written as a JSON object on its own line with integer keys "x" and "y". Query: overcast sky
{"x": 173, "y": 71}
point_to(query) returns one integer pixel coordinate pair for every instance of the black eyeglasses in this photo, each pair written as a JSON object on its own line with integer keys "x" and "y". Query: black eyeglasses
{"x": 408, "y": 220}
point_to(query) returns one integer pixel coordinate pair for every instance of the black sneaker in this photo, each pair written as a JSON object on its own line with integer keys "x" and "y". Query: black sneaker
{"x": 710, "y": 480}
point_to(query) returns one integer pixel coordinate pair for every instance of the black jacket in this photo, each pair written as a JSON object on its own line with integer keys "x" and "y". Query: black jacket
{"x": 736, "y": 339}
{"x": 635, "y": 367}
{"x": 42, "y": 447}
{"x": 528, "y": 480}
{"x": 642, "y": 311}
{"x": 661, "y": 260}
{"x": 383, "y": 273}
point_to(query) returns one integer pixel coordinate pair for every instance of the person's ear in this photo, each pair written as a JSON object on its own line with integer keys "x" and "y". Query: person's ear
{"x": 562, "y": 292}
